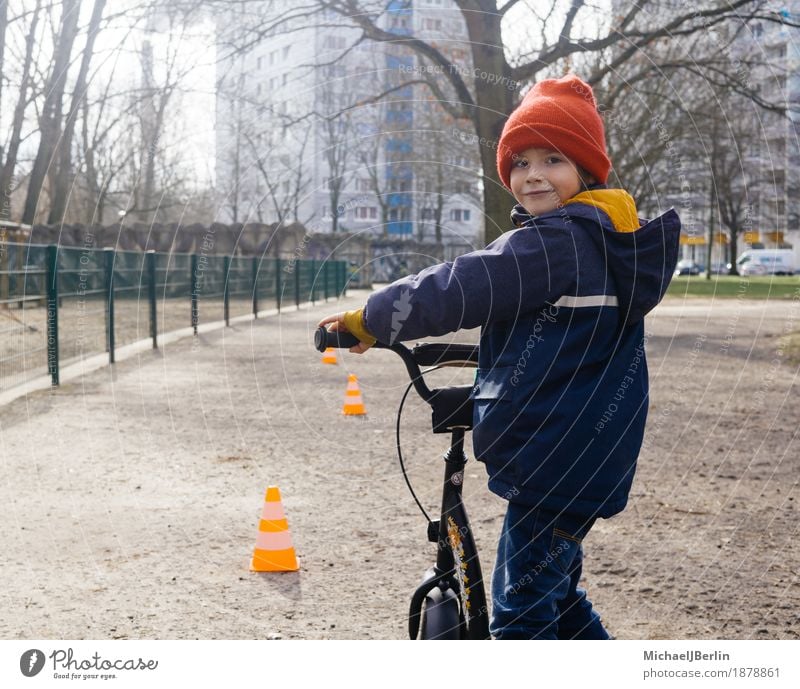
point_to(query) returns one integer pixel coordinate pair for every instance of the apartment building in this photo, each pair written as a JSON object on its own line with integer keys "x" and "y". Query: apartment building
{"x": 734, "y": 147}
{"x": 339, "y": 134}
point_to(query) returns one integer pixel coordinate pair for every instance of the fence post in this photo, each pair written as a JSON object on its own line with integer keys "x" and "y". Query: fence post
{"x": 313, "y": 263}
{"x": 255, "y": 286}
{"x": 150, "y": 265}
{"x": 297, "y": 268}
{"x": 226, "y": 271}
{"x": 5, "y": 275}
{"x": 278, "y": 283}
{"x": 52, "y": 313}
{"x": 109, "y": 254}
{"x": 193, "y": 282}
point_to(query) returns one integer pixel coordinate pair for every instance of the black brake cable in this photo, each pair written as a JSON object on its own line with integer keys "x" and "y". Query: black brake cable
{"x": 399, "y": 451}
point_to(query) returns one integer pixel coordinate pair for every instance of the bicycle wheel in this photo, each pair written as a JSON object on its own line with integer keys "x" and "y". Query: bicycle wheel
{"x": 440, "y": 615}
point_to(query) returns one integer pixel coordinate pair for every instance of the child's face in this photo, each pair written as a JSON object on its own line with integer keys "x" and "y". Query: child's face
{"x": 542, "y": 179}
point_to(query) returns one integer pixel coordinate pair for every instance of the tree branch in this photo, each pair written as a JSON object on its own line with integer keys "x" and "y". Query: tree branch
{"x": 351, "y": 10}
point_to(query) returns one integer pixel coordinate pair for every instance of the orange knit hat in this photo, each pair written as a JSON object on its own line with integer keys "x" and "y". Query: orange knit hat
{"x": 560, "y": 114}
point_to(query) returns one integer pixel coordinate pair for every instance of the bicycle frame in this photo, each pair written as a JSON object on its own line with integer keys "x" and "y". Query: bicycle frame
{"x": 457, "y": 571}
{"x": 457, "y": 564}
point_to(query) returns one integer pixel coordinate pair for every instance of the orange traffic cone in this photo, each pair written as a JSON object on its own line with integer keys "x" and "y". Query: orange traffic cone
{"x": 329, "y": 356}
{"x": 353, "y": 404}
{"x": 274, "y": 551}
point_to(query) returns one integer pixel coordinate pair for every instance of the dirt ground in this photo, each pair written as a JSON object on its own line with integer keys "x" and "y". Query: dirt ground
{"x": 130, "y": 498}
{"x": 82, "y": 329}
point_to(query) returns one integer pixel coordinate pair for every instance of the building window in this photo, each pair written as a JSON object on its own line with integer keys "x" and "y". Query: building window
{"x": 363, "y": 184}
{"x": 428, "y": 213}
{"x": 459, "y": 214}
{"x": 366, "y": 212}
{"x": 778, "y": 51}
{"x": 259, "y": 62}
{"x": 286, "y": 51}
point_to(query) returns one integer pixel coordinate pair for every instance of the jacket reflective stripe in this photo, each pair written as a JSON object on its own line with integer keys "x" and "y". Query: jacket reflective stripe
{"x": 594, "y": 300}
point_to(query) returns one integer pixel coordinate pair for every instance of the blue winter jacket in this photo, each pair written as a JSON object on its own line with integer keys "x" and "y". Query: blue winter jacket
{"x": 561, "y": 391}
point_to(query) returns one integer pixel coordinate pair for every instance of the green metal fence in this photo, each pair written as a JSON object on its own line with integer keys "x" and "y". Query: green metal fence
{"x": 60, "y": 304}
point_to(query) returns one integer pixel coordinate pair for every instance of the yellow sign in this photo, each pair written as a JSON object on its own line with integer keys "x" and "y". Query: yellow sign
{"x": 692, "y": 239}
{"x": 751, "y": 237}
{"x": 776, "y": 237}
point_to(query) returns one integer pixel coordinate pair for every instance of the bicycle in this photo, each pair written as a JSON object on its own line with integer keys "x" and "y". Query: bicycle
{"x": 450, "y": 602}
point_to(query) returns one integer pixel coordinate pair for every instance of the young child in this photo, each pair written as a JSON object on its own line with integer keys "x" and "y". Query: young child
{"x": 561, "y": 391}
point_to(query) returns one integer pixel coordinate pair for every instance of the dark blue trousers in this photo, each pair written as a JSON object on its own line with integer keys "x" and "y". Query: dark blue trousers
{"x": 535, "y": 591}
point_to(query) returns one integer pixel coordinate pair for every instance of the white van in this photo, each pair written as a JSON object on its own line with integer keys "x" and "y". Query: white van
{"x": 766, "y": 262}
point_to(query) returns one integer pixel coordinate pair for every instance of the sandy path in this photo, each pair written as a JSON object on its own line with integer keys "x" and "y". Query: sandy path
{"x": 131, "y": 498}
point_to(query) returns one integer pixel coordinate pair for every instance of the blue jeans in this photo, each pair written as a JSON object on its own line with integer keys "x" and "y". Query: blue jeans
{"x": 535, "y": 592}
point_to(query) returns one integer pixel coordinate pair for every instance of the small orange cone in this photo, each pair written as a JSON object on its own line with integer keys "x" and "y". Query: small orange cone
{"x": 353, "y": 404}
{"x": 274, "y": 551}
{"x": 329, "y": 356}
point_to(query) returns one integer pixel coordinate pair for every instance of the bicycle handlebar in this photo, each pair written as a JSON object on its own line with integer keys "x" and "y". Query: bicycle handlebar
{"x": 425, "y": 354}
{"x": 324, "y": 338}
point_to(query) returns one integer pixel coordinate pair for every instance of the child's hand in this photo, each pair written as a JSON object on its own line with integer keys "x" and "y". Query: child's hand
{"x": 339, "y": 325}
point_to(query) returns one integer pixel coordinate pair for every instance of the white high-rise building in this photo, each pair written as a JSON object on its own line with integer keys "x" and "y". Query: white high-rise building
{"x": 302, "y": 134}
{"x": 763, "y": 147}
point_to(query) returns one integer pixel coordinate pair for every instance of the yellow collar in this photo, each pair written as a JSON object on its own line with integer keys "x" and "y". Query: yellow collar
{"x": 617, "y": 204}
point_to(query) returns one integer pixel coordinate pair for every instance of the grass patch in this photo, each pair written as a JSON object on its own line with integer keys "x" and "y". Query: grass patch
{"x": 726, "y": 286}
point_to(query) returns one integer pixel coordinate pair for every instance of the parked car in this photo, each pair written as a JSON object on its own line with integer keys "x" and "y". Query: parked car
{"x": 766, "y": 262}
{"x": 687, "y": 267}
{"x": 719, "y": 268}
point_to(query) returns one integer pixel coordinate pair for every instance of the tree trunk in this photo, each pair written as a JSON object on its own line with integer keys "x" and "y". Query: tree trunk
{"x": 50, "y": 121}
{"x": 3, "y": 25}
{"x": 734, "y": 231}
{"x": 334, "y": 196}
{"x": 62, "y": 178}
{"x": 712, "y": 206}
{"x": 494, "y": 102}
{"x": 10, "y": 163}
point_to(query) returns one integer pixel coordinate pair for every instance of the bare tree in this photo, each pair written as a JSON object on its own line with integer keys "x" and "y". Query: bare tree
{"x": 52, "y": 110}
{"x": 102, "y": 155}
{"x": 63, "y": 168}
{"x": 487, "y": 107}
{"x": 23, "y": 100}
{"x": 368, "y": 148}
{"x": 336, "y": 133}
{"x": 3, "y": 27}
{"x": 281, "y": 172}
{"x": 157, "y": 94}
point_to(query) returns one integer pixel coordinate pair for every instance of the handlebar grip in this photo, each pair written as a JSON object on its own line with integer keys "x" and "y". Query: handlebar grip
{"x": 324, "y": 338}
